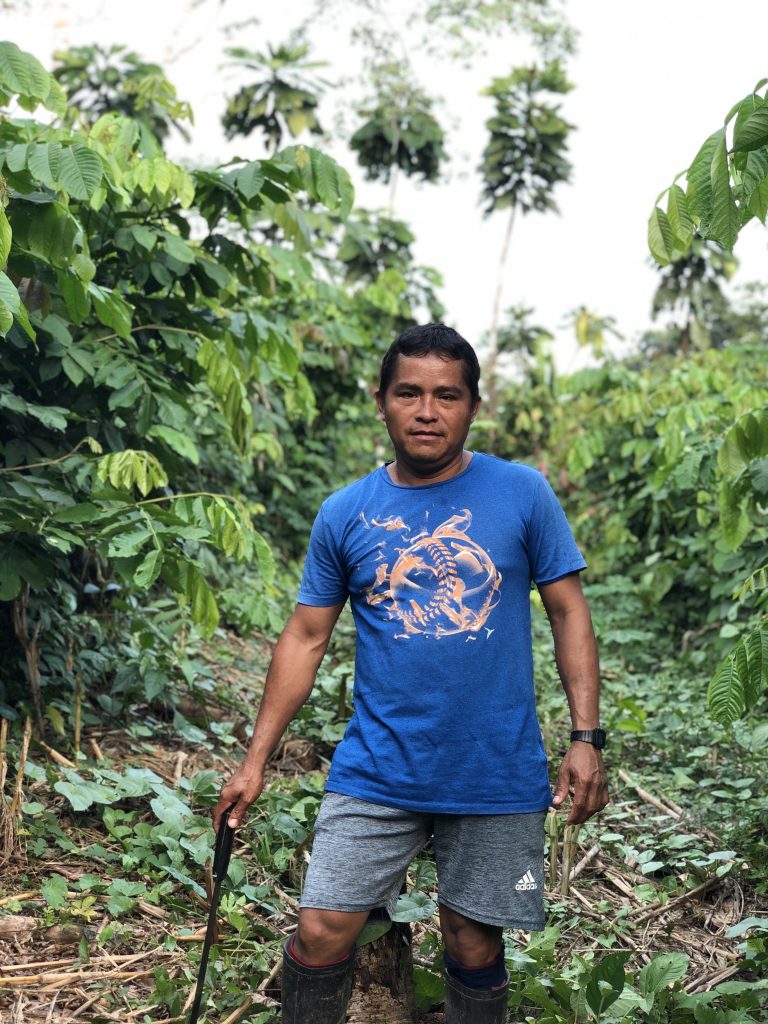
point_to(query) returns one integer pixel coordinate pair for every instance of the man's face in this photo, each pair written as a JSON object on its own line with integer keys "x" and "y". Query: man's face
{"x": 428, "y": 410}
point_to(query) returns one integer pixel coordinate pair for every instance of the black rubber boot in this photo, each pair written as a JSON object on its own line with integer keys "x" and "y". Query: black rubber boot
{"x": 474, "y": 1006}
{"x": 316, "y": 995}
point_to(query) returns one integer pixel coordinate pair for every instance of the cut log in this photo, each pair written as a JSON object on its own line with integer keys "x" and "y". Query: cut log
{"x": 383, "y": 992}
{"x": 14, "y": 926}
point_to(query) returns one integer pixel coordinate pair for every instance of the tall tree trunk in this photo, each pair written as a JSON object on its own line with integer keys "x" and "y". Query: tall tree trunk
{"x": 493, "y": 349}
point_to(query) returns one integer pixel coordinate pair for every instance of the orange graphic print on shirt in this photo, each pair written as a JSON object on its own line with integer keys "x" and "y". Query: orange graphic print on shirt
{"x": 441, "y": 584}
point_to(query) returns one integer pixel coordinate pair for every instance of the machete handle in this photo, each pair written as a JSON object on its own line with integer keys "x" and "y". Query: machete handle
{"x": 222, "y": 851}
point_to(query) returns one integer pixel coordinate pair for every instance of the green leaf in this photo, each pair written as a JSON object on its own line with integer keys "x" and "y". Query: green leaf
{"x": 80, "y": 171}
{"x": 373, "y": 930}
{"x": 80, "y": 793}
{"x": 112, "y": 309}
{"x": 5, "y": 238}
{"x": 10, "y": 584}
{"x": 661, "y": 240}
{"x": 149, "y": 568}
{"x": 22, "y": 73}
{"x": 752, "y": 133}
{"x": 54, "y": 890}
{"x": 663, "y": 969}
{"x": 178, "y": 442}
{"x": 265, "y": 556}
{"x": 679, "y": 217}
{"x": 178, "y": 248}
{"x": 84, "y": 512}
{"x": 725, "y": 694}
{"x": 724, "y": 224}
{"x": 700, "y": 179}
{"x": 84, "y": 267}
{"x": 416, "y": 906}
{"x": 249, "y": 179}
{"x": 606, "y": 982}
{"x": 11, "y": 299}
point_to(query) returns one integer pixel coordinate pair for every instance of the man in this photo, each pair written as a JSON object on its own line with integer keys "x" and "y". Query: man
{"x": 437, "y": 552}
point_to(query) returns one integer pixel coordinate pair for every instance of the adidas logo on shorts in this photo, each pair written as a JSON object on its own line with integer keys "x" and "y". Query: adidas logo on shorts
{"x": 526, "y": 882}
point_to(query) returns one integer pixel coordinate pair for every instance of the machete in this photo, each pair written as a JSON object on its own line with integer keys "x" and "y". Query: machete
{"x": 221, "y": 854}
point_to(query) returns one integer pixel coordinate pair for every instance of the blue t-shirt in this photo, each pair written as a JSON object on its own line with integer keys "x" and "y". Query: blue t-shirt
{"x": 439, "y": 580}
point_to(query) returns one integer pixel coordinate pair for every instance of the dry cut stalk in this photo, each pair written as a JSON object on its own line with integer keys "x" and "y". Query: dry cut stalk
{"x": 552, "y": 831}
{"x": 570, "y": 838}
{"x": 17, "y": 793}
{"x": 7, "y": 818}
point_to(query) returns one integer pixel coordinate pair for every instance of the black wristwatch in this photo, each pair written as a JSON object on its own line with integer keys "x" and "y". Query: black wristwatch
{"x": 594, "y": 736}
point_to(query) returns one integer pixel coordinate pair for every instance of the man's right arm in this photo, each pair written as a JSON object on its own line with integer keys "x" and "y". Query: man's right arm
{"x": 290, "y": 678}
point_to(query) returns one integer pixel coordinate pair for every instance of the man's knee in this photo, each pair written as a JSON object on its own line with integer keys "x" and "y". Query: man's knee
{"x": 472, "y": 943}
{"x": 326, "y": 936}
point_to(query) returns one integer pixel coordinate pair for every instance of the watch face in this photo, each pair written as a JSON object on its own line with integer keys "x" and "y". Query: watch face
{"x": 599, "y": 740}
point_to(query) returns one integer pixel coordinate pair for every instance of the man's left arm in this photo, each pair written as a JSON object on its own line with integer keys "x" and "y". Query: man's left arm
{"x": 582, "y": 772}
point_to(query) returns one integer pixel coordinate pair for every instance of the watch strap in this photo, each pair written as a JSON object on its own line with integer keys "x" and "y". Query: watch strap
{"x": 594, "y": 736}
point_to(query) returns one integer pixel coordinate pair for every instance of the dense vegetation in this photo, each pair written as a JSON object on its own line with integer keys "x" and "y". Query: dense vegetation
{"x": 184, "y": 358}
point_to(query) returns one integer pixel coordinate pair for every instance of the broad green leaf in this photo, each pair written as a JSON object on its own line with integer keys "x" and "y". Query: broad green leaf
{"x": 415, "y": 906}
{"x": 758, "y": 201}
{"x": 112, "y": 309}
{"x": 149, "y": 568}
{"x": 249, "y": 179}
{"x": 22, "y": 73}
{"x": 178, "y": 248}
{"x": 5, "y": 238}
{"x": 82, "y": 794}
{"x": 723, "y": 225}
{"x": 84, "y": 512}
{"x": 146, "y": 237}
{"x": 80, "y": 171}
{"x": 663, "y": 969}
{"x": 6, "y": 319}
{"x": 606, "y": 982}
{"x": 679, "y": 217}
{"x": 700, "y": 179}
{"x": 737, "y": 930}
{"x": 725, "y": 694}
{"x": 661, "y": 240}
{"x": 730, "y": 461}
{"x": 181, "y": 443}
{"x": 752, "y": 133}
{"x": 11, "y": 299}
{"x": 84, "y": 267}
{"x": 734, "y": 517}
{"x": 44, "y": 161}
{"x": 10, "y": 584}
{"x": 265, "y": 556}
{"x": 54, "y": 890}
{"x": 372, "y": 931}
{"x": 756, "y": 677}
{"x": 46, "y": 231}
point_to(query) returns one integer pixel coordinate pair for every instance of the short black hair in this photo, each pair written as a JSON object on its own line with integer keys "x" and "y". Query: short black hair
{"x": 426, "y": 340}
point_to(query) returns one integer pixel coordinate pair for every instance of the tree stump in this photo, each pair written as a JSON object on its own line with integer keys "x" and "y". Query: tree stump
{"x": 383, "y": 991}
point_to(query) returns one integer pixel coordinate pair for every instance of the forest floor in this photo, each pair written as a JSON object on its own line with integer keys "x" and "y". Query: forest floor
{"x": 94, "y": 928}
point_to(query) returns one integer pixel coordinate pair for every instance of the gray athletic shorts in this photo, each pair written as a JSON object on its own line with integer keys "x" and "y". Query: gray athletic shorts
{"x": 490, "y": 867}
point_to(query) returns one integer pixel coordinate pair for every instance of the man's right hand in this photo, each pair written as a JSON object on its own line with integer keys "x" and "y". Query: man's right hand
{"x": 242, "y": 789}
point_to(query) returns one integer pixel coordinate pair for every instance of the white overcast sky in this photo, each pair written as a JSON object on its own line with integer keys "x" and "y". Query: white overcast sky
{"x": 652, "y": 80}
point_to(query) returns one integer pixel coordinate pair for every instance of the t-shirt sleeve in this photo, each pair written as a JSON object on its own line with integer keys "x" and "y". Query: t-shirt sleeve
{"x": 552, "y": 551}
{"x": 324, "y": 581}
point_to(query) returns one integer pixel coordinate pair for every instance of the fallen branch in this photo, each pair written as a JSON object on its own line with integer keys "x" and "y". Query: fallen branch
{"x": 250, "y": 1002}
{"x": 666, "y": 808}
{"x": 676, "y": 903}
{"x": 588, "y": 857}
{"x": 61, "y": 978}
{"x": 707, "y": 982}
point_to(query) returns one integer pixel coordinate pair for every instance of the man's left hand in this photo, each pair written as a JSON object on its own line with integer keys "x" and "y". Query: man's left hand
{"x": 582, "y": 774}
